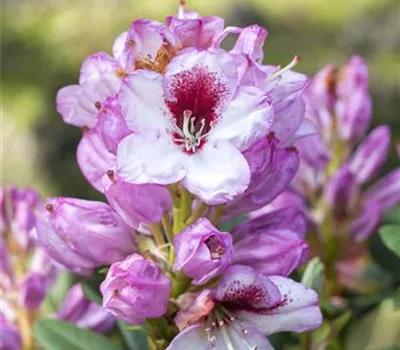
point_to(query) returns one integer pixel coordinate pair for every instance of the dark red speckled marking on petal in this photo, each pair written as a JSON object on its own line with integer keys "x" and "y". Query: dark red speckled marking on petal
{"x": 199, "y": 91}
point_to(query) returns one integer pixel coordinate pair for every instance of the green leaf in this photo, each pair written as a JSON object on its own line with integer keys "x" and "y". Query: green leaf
{"x": 91, "y": 292}
{"x": 313, "y": 276}
{"x": 135, "y": 339}
{"x": 377, "y": 329}
{"x": 392, "y": 216}
{"x": 390, "y": 235}
{"x": 60, "y": 335}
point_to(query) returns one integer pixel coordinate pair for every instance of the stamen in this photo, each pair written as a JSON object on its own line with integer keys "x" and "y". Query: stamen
{"x": 49, "y": 207}
{"x": 294, "y": 62}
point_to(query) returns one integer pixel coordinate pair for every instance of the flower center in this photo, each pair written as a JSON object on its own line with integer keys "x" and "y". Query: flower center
{"x": 215, "y": 247}
{"x": 195, "y": 98}
{"x": 192, "y": 133}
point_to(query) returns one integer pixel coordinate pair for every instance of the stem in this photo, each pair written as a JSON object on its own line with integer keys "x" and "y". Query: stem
{"x": 305, "y": 341}
{"x": 180, "y": 284}
{"x": 167, "y": 228}
{"x": 157, "y": 234}
{"x": 186, "y": 203}
{"x": 218, "y": 212}
{"x": 178, "y": 225}
{"x": 199, "y": 212}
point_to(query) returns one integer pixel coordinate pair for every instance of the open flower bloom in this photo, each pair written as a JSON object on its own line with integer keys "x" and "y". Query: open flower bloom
{"x": 191, "y": 125}
{"x": 244, "y": 308}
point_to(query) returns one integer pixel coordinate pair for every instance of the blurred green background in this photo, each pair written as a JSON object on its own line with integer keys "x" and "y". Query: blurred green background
{"x": 45, "y": 41}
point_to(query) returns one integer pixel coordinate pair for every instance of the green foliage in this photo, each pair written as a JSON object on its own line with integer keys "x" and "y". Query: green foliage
{"x": 135, "y": 339}
{"x": 376, "y": 330}
{"x": 313, "y": 276}
{"x": 390, "y": 235}
{"x": 61, "y": 335}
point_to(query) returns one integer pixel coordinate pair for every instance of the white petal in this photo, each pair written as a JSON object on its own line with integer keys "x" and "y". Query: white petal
{"x": 150, "y": 157}
{"x": 231, "y": 337}
{"x": 215, "y": 61}
{"x": 248, "y": 117}
{"x": 97, "y": 67}
{"x": 118, "y": 49}
{"x": 297, "y": 312}
{"x": 142, "y": 101}
{"x": 217, "y": 173}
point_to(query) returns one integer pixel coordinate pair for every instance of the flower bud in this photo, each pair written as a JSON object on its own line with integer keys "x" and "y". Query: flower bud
{"x": 6, "y": 271}
{"x": 371, "y": 154}
{"x": 10, "y": 338}
{"x": 23, "y": 203}
{"x": 366, "y": 222}
{"x": 272, "y": 252}
{"x": 341, "y": 192}
{"x": 93, "y": 229}
{"x": 353, "y": 76}
{"x": 386, "y": 192}
{"x": 272, "y": 170}
{"x": 137, "y": 204}
{"x": 135, "y": 289}
{"x": 202, "y": 252}
{"x": 288, "y": 218}
{"x": 33, "y": 290}
{"x": 84, "y": 313}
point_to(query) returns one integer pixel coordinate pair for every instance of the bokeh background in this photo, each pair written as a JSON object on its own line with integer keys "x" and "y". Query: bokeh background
{"x": 45, "y": 41}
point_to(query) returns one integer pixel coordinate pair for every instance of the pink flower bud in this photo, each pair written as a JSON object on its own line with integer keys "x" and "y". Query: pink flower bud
{"x": 33, "y": 290}
{"x": 84, "y": 313}
{"x": 202, "y": 251}
{"x": 10, "y": 338}
{"x": 371, "y": 154}
{"x": 92, "y": 232}
{"x": 136, "y": 289}
{"x": 386, "y": 192}
{"x": 341, "y": 191}
{"x": 138, "y": 203}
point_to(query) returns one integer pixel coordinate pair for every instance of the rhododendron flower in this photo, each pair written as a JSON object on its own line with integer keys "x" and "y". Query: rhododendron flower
{"x": 244, "y": 308}
{"x": 200, "y": 121}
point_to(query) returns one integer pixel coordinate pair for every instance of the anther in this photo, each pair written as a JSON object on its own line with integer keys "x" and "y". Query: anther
{"x": 97, "y": 104}
{"x": 49, "y": 207}
{"x": 111, "y": 175}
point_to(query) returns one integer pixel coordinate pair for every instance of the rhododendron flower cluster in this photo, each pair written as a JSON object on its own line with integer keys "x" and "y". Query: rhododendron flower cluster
{"x": 181, "y": 136}
{"x": 339, "y": 166}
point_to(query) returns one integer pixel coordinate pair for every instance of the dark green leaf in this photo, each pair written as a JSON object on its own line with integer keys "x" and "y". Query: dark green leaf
{"x": 390, "y": 235}
{"x": 135, "y": 339}
{"x": 91, "y": 292}
{"x": 392, "y": 216}
{"x": 61, "y": 335}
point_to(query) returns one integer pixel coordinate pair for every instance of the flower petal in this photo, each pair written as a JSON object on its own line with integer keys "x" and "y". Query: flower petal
{"x": 250, "y": 42}
{"x": 94, "y": 159}
{"x": 218, "y": 64}
{"x": 150, "y": 157}
{"x": 142, "y": 101}
{"x": 248, "y": 117}
{"x": 226, "y": 338}
{"x": 245, "y": 286}
{"x": 99, "y": 66}
{"x": 217, "y": 173}
{"x": 118, "y": 49}
{"x": 298, "y": 311}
